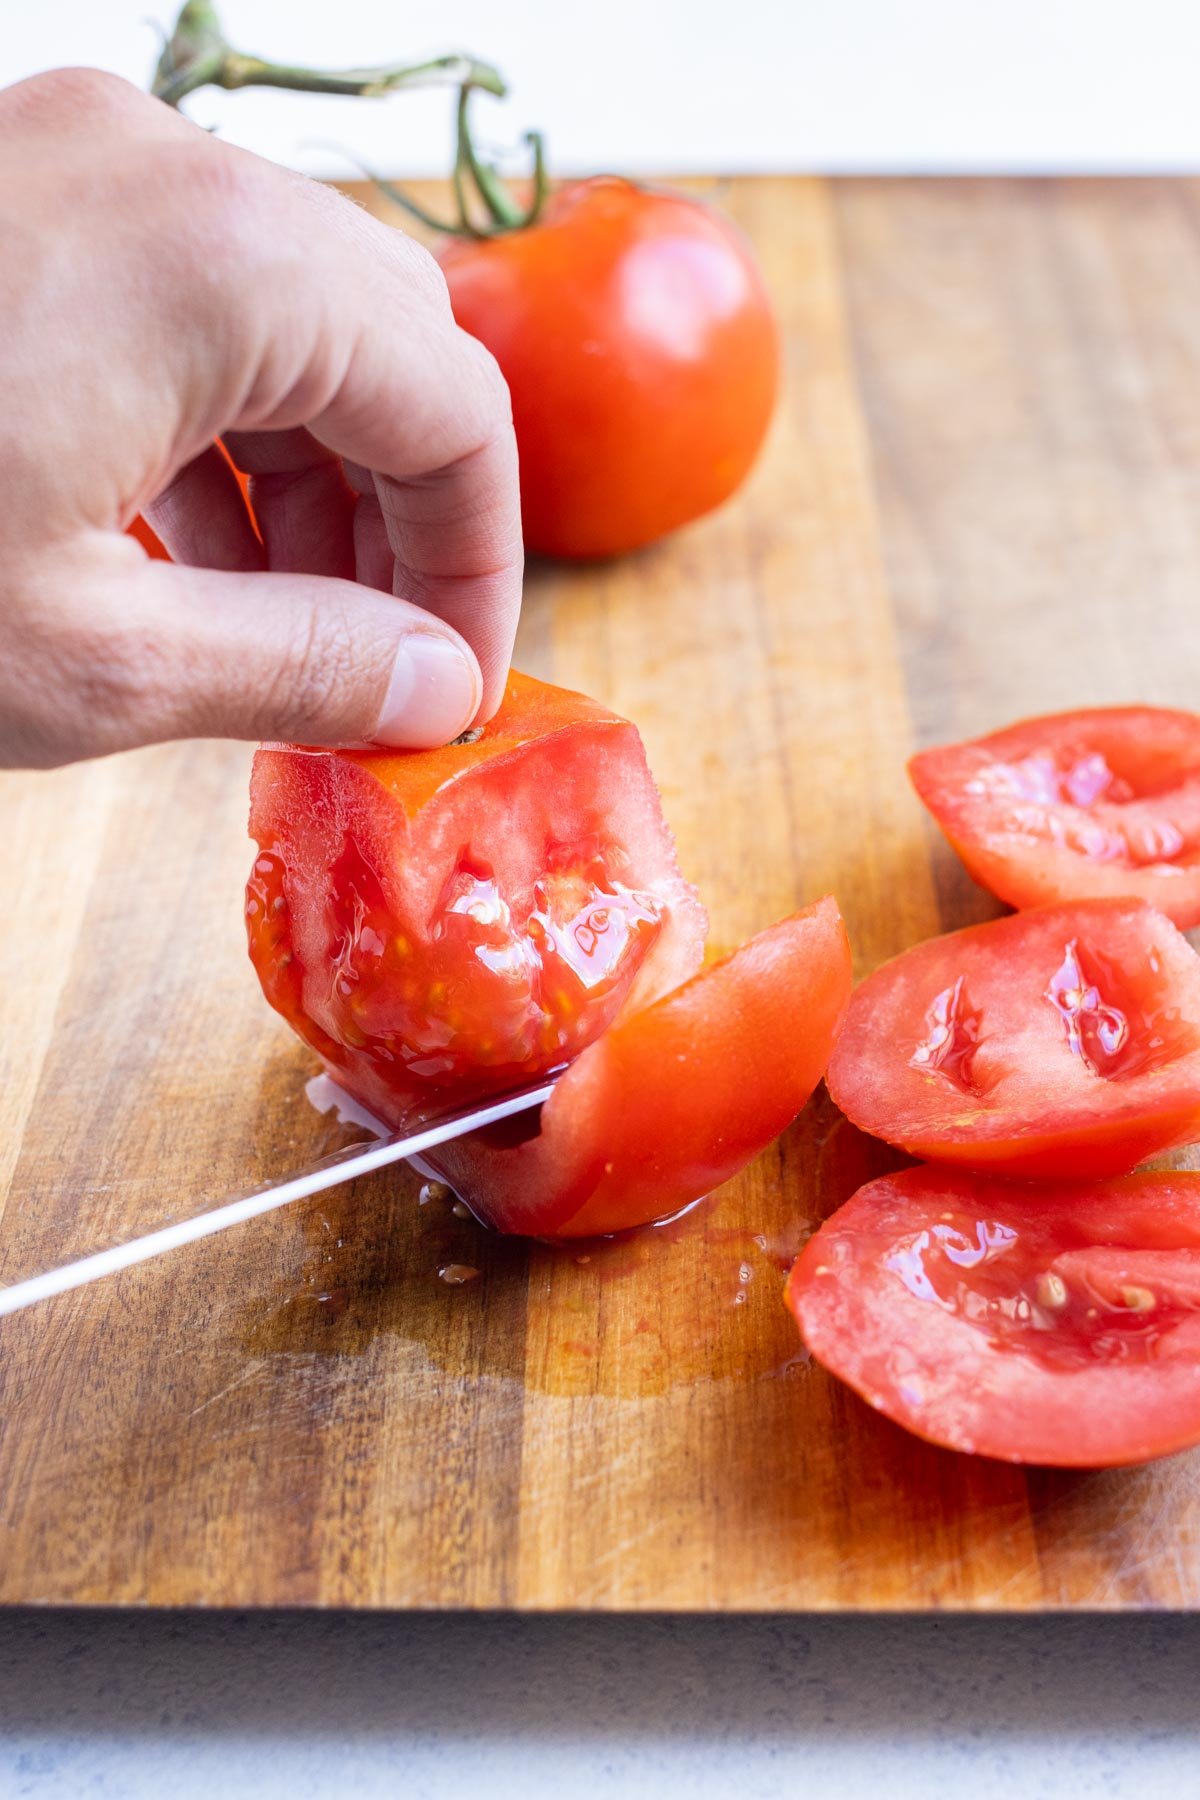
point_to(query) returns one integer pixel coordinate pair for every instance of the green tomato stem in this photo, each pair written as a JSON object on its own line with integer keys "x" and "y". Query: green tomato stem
{"x": 198, "y": 55}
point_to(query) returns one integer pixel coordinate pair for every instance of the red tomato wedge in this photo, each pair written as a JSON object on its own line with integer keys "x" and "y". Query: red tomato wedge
{"x": 673, "y": 1101}
{"x": 1059, "y": 1042}
{"x": 440, "y": 925}
{"x": 1076, "y": 806}
{"x": 1054, "y": 1325}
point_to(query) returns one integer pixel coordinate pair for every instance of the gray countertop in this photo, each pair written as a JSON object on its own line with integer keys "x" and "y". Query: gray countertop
{"x": 178, "y": 1705}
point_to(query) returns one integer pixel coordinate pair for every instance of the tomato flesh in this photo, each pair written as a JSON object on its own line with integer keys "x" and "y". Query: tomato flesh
{"x": 639, "y": 345}
{"x": 1060, "y": 1041}
{"x": 445, "y": 924}
{"x": 1055, "y": 1325}
{"x": 1076, "y": 805}
{"x": 674, "y": 1099}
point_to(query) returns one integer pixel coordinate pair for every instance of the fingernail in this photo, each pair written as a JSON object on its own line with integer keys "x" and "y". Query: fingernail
{"x": 433, "y": 694}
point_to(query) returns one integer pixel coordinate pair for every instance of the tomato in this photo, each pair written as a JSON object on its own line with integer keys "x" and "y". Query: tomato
{"x": 1076, "y": 805}
{"x": 1062, "y": 1041}
{"x": 439, "y": 925}
{"x": 149, "y": 539}
{"x": 674, "y": 1100}
{"x": 1052, "y": 1325}
{"x": 639, "y": 345}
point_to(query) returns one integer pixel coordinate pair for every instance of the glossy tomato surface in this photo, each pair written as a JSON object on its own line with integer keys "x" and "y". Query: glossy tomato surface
{"x": 440, "y": 925}
{"x": 1062, "y": 1041}
{"x": 1052, "y": 1325}
{"x": 673, "y": 1100}
{"x": 639, "y": 345}
{"x": 1076, "y": 805}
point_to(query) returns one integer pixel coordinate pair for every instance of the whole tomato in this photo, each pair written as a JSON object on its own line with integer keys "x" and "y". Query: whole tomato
{"x": 637, "y": 338}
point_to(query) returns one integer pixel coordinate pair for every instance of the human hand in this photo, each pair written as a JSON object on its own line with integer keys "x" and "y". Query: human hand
{"x": 162, "y": 289}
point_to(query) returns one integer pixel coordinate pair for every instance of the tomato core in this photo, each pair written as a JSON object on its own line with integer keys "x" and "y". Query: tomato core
{"x": 498, "y": 993}
{"x": 1076, "y": 805}
{"x": 1065, "y": 1309}
{"x": 1060, "y": 1041}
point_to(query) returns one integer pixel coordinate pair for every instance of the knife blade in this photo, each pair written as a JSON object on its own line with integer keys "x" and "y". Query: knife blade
{"x": 331, "y": 1171}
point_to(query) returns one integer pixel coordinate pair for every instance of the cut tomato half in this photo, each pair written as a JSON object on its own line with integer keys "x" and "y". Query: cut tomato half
{"x": 1075, "y": 806}
{"x": 673, "y": 1101}
{"x": 446, "y": 924}
{"x": 1062, "y": 1041}
{"x": 1055, "y": 1325}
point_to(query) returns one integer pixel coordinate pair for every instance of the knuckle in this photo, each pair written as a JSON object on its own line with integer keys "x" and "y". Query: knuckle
{"x": 423, "y": 272}
{"x": 485, "y": 401}
{"x": 316, "y": 686}
{"x": 226, "y": 194}
{"x": 74, "y": 96}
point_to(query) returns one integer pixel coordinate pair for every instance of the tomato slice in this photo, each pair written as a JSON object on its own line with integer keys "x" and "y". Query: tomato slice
{"x": 440, "y": 925}
{"x": 1061, "y": 1041}
{"x": 1052, "y": 1325}
{"x": 1075, "y": 806}
{"x": 673, "y": 1101}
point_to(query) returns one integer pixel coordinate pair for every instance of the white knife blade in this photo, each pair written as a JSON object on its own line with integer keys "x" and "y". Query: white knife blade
{"x": 343, "y": 1165}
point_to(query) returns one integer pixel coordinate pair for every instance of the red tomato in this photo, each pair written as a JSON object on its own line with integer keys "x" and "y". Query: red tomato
{"x": 1047, "y": 1325}
{"x": 638, "y": 342}
{"x": 442, "y": 924}
{"x": 1063, "y": 1041}
{"x": 149, "y": 539}
{"x": 673, "y": 1100}
{"x": 1076, "y": 805}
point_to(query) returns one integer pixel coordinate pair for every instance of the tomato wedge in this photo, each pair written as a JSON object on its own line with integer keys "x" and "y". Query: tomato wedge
{"x": 1076, "y": 805}
{"x": 1054, "y": 1325}
{"x": 673, "y": 1101}
{"x": 1061, "y": 1041}
{"x": 445, "y": 924}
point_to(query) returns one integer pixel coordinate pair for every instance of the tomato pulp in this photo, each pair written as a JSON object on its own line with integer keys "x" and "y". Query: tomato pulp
{"x": 444, "y": 924}
{"x": 674, "y": 1100}
{"x": 1076, "y": 805}
{"x": 1061, "y": 1041}
{"x": 639, "y": 345}
{"x": 1054, "y": 1325}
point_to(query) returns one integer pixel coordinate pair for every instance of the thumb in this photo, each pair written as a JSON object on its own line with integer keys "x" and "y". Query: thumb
{"x": 180, "y": 652}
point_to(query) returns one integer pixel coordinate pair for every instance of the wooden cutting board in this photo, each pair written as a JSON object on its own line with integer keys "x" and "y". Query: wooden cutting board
{"x": 981, "y": 499}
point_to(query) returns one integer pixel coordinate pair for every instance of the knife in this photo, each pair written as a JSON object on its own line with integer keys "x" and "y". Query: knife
{"x": 343, "y": 1165}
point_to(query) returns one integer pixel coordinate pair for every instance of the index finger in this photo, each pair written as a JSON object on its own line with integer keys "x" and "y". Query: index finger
{"x": 390, "y": 382}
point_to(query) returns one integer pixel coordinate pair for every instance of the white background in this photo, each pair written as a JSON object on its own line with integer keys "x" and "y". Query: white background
{"x": 721, "y": 85}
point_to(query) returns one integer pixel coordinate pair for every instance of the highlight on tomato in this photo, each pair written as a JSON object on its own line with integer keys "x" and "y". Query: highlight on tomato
{"x": 1076, "y": 805}
{"x": 445, "y": 924}
{"x": 1056, "y": 1325}
{"x": 673, "y": 1100}
{"x": 1064, "y": 1041}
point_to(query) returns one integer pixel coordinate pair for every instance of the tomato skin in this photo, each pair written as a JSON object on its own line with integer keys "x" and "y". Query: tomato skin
{"x": 675, "y": 1099}
{"x": 640, "y": 348}
{"x": 1063, "y": 1041}
{"x": 1053, "y": 1325}
{"x": 149, "y": 539}
{"x": 441, "y": 925}
{"x": 1076, "y": 806}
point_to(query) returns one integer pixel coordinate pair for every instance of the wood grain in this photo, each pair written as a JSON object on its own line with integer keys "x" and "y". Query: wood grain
{"x": 981, "y": 498}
